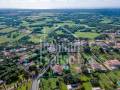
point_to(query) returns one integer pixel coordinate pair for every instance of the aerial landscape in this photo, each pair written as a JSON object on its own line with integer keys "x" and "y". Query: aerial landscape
{"x": 60, "y": 49}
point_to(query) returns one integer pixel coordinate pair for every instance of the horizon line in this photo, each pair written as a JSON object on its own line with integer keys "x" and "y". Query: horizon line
{"x": 61, "y": 8}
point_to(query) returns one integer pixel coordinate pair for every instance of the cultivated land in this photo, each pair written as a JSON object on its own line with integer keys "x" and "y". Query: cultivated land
{"x": 60, "y": 49}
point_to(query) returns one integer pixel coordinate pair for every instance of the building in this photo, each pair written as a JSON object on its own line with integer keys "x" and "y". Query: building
{"x": 112, "y": 64}
{"x": 57, "y": 69}
{"x": 118, "y": 44}
{"x": 96, "y": 88}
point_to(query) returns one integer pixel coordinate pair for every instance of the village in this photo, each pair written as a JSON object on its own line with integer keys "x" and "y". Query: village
{"x": 71, "y": 58}
{"x": 60, "y": 49}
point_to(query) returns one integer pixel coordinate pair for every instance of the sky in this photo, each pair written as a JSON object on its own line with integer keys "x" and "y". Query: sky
{"x": 56, "y": 4}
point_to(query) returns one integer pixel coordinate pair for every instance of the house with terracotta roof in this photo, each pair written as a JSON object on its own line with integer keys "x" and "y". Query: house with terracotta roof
{"x": 57, "y": 69}
{"x": 112, "y": 64}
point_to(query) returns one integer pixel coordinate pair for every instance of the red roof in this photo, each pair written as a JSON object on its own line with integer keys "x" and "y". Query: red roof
{"x": 57, "y": 69}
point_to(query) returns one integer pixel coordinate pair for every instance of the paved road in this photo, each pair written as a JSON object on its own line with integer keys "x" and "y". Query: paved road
{"x": 35, "y": 83}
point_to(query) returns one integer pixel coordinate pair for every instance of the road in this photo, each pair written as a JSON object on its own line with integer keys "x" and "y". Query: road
{"x": 36, "y": 81}
{"x": 35, "y": 85}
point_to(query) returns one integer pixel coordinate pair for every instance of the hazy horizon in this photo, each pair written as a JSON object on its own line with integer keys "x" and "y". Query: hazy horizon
{"x": 59, "y": 4}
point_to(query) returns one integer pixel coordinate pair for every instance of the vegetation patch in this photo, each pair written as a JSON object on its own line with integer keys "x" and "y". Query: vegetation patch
{"x": 88, "y": 35}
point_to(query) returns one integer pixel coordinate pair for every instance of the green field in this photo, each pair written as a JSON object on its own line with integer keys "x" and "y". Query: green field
{"x": 49, "y": 84}
{"x": 7, "y": 30}
{"x": 37, "y": 38}
{"x": 3, "y": 39}
{"x": 59, "y": 32}
{"x": 25, "y": 86}
{"x": 106, "y": 20}
{"x": 88, "y": 35}
{"x": 86, "y": 85}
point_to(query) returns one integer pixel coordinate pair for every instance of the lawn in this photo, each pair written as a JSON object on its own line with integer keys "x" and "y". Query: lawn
{"x": 63, "y": 86}
{"x": 37, "y": 38}
{"x": 15, "y": 36}
{"x": 49, "y": 84}
{"x": 113, "y": 77}
{"x": 25, "y": 86}
{"x": 105, "y": 82}
{"x": 86, "y": 82}
{"x": 87, "y": 86}
{"x": 3, "y": 39}
{"x": 89, "y": 35}
{"x": 84, "y": 78}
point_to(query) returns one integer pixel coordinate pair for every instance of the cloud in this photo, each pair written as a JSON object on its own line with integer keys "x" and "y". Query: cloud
{"x": 59, "y": 4}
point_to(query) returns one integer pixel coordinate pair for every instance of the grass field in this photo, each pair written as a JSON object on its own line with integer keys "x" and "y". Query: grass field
{"x": 25, "y": 86}
{"x": 106, "y": 21}
{"x": 59, "y": 32}
{"x": 3, "y": 39}
{"x": 88, "y": 35}
{"x": 63, "y": 86}
{"x": 86, "y": 85}
{"x": 7, "y": 30}
{"x": 69, "y": 23}
{"x": 105, "y": 82}
{"x": 86, "y": 26}
{"x": 37, "y": 38}
{"x": 49, "y": 84}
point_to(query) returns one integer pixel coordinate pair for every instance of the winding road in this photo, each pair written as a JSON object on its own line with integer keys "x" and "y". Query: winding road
{"x": 36, "y": 81}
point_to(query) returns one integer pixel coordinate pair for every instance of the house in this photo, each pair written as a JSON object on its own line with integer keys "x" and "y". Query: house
{"x": 118, "y": 88}
{"x": 87, "y": 70}
{"x": 25, "y": 31}
{"x": 51, "y": 49}
{"x": 6, "y": 53}
{"x": 96, "y": 66}
{"x": 73, "y": 87}
{"x": 57, "y": 69}
{"x": 118, "y": 44}
{"x": 96, "y": 88}
{"x": 1, "y": 82}
{"x": 69, "y": 87}
{"x": 118, "y": 32}
{"x": 84, "y": 43}
{"x": 23, "y": 58}
{"x": 112, "y": 64}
